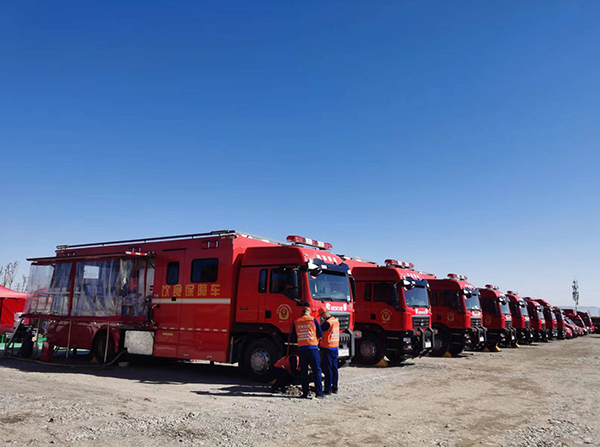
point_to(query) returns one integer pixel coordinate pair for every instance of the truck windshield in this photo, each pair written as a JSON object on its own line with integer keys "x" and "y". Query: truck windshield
{"x": 329, "y": 286}
{"x": 504, "y": 308}
{"x": 540, "y": 313}
{"x": 472, "y": 300}
{"x": 524, "y": 312}
{"x": 417, "y": 296}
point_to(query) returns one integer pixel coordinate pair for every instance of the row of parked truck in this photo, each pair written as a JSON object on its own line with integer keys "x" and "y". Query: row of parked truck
{"x": 228, "y": 296}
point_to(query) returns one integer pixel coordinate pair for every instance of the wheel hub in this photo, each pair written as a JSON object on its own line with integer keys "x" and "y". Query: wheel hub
{"x": 260, "y": 361}
{"x": 368, "y": 349}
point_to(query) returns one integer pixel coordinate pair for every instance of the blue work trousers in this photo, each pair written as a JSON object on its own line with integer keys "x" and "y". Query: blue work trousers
{"x": 330, "y": 367}
{"x": 312, "y": 358}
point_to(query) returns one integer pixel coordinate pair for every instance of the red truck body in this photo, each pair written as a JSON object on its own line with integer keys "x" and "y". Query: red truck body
{"x": 392, "y": 311}
{"x": 520, "y": 317}
{"x": 497, "y": 317}
{"x": 550, "y": 317}
{"x": 456, "y": 315}
{"x": 537, "y": 319}
{"x": 222, "y": 296}
{"x": 561, "y": 328}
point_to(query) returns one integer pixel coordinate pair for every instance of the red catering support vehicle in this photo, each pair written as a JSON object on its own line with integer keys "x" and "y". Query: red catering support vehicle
{"x": 222, "y": 296}
{"x": 561, "y": 329}
{"x": 392, "y": 311}
{"x": 520, "y": 317}
{"x": 550, "y": 317}
{"x": 497, "y": 318}
{"x": 456, "y": 315}
{"x": 537, "y": 319}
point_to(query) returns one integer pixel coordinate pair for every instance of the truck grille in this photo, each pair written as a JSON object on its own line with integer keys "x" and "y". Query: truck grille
{"x": 508, "y": 324}
{"x": 420, "y": 322}
{"x": 343, "y": 318}
{"x": 475, "y": 322}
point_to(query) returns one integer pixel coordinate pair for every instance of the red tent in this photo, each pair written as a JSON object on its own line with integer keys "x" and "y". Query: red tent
{"x": 11, "y": 302}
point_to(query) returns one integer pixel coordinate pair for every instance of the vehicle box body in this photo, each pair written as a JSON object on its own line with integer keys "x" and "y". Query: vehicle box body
{"x": 203, "y": 296}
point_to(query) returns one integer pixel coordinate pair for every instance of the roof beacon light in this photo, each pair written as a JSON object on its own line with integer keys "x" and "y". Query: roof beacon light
{"x": 510, "y": 292}
{"x": 136, "y": 253}
{"x": 401, "y": 264}
{"x": 492, "y": 287}
{"x": 457, "y": 277}
{"x": 310, "y": 242}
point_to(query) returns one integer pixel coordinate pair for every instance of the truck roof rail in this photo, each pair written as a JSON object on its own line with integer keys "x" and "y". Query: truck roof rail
{"x": 168, "y": 238}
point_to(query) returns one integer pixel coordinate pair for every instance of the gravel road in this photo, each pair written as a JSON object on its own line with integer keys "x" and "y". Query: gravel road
{"x": 544, "y": 395}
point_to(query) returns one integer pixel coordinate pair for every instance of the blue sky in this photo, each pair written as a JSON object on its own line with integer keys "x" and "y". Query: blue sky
{"x": 461, "y": 136}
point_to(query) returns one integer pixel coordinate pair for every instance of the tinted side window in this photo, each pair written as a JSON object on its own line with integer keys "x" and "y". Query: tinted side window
{"x": 278, "y": 281}
{"x": 262, "y": 281}
{"x": 384, "y": 293}
{"x": 205, "y": 270}
{"x": 368, "y": 289}
{"x": 488, "y": 306}
{"x": 433, "y": 297}
{"x": 173, "y": 273}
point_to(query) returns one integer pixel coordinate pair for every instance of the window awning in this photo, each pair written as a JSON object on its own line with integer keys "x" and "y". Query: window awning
{"x": 126, "y": 254}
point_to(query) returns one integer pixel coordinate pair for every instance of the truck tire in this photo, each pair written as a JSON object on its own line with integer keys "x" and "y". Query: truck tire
{"x": 441, "y": 344}
{"x": 99, "y": 347}
{"x": 259, "y": 357}
{"x": 370, "y": 349}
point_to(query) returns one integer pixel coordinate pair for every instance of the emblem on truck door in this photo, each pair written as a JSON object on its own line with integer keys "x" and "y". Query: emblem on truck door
{"x": 386, "y": 315}
{"x": 283, "y": 312}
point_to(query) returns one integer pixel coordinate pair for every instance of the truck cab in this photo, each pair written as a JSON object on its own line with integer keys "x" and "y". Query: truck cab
{"x": 497, "y": 318}
{"x": 520, "y": 317}
{"x": 392, "y": 311}
{"x": 537, "y": 319}
{"x": 456, "y": 315}
{"x": 550, "y": 317}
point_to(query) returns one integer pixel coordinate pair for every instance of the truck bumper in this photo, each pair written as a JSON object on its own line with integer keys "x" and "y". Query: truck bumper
{"x": 347, "y": 344}
{"x": 476, "y": 337}
{"x": 410, "y": 344}
{"x": 525, "y": 335}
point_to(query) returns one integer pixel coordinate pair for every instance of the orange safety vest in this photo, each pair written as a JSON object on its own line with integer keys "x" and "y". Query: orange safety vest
{"x": 331, "y": 337}
{"x": 285, "y": 363}
{"x": 306, "y": 331}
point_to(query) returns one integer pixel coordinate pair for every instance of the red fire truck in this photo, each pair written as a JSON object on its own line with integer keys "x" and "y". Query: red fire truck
{"x": 550, "y": 317}
{"x": 392, "y": 311}
{"x": 537, "y": 319}
{"x": 222, "y": 296}
{"x": 561, "y": 329}
{"x": 456, "y": 315}
{"x": 497, "y": 318}
{"x": 520, "y": 317}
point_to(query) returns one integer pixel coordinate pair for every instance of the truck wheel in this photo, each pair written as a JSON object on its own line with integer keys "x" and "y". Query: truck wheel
{"x": 440, "y": 344}
{"x": 259, "y": 357}
{"x": 99, "y": 347}
{"x": 370, "y": 349}
{"x": 455, "y": 350}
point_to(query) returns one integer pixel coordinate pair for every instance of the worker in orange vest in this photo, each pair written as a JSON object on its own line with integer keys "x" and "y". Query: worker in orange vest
{"x": 330, "y": 343}
{"x": 308, "y": 331}
{"x": 286, "y": 370}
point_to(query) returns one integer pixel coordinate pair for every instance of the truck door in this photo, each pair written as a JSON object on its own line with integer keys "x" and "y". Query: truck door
{"x": 166, "y": 300}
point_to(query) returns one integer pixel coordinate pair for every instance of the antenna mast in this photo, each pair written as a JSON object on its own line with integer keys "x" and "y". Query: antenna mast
{"x": 576, "y": 293}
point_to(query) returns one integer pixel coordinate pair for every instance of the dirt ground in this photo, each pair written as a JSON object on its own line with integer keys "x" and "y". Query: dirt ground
{"x": 543, "y": 395}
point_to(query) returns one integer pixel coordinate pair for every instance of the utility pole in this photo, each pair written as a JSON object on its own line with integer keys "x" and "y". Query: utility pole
{"x": 576, "y": 293}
